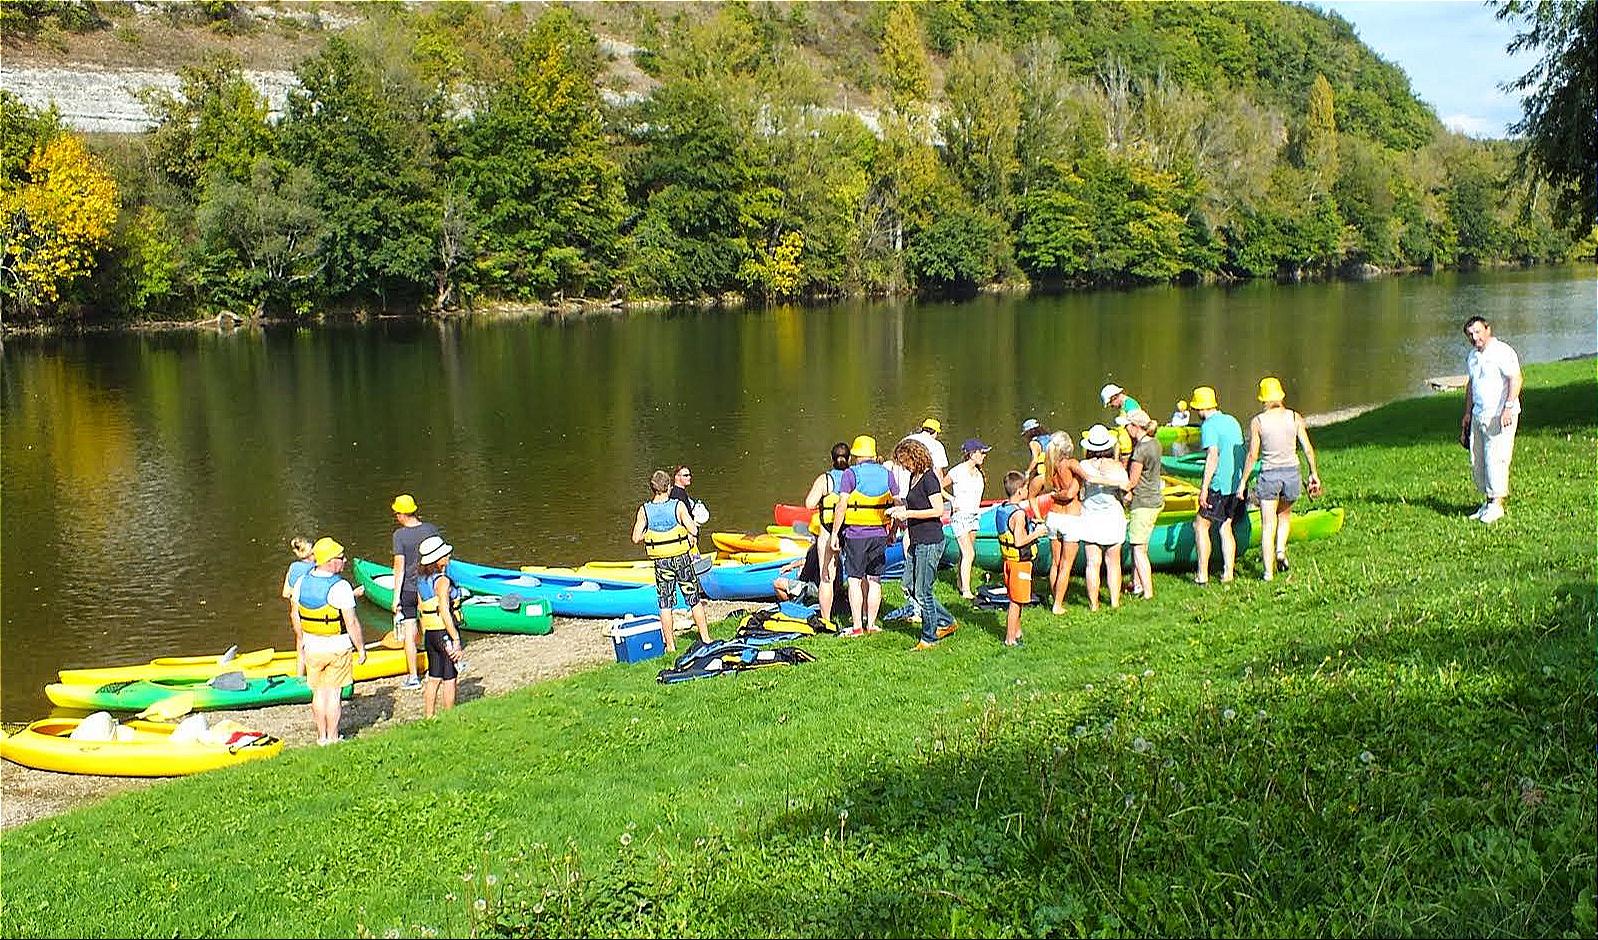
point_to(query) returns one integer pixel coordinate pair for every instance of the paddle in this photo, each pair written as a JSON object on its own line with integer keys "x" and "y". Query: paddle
{"x": 228, "y": 656}
{"x": 170, "y": 708}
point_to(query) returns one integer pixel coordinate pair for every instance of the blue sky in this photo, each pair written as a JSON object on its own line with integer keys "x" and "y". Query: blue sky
{"x": 1453, "y": 52}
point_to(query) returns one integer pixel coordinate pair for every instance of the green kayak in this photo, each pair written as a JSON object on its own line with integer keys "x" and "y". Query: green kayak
{"x": 1190, "y": 466}
{"x": 141, "y": 694}
{"x": 1170, "y": 547}
{"x": 483, "y": 613}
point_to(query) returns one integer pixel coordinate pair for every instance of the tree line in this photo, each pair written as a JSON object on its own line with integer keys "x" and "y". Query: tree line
{"x": 439, "y": 157}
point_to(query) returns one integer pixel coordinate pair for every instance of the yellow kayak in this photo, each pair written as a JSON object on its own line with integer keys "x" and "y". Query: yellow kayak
{"x": 781, "y": 545}
{"x": 139, "y": 749}
{"x": 258, "y": 664}
{"x": 1180, "y": 495}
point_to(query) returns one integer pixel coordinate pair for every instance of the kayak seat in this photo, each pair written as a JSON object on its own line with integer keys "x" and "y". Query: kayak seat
{"x": 99, "y": 726}
{"x": 192, "y": 728}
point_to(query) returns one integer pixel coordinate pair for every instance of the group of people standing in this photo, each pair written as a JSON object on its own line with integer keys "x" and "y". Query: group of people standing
{"x": 1088, "y": 502}
{"x": 328, "y": 638}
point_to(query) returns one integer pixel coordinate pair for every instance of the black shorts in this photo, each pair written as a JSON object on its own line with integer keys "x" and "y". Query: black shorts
{"x": 407, "y": 604}
{"x": 865, "y": 558}
{"x": 439, "y": 665}
{"x": 1224, "y": 507}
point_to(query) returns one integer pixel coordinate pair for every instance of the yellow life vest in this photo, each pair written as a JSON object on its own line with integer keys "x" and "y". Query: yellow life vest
{"x": 866, "y": 509}
{"x": 665, "y": 543}
{"x": 824, "y": 516}
{"x": 427, "y": 611}
{"x": 1007, "y": 546}
{"x": 316, "y": 614}
{"x": 1039, "y": 459}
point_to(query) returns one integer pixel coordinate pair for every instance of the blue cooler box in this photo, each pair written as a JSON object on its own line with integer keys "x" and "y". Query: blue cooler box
{"x": 638, "y": 639}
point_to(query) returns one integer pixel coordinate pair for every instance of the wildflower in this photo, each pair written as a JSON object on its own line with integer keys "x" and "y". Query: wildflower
{"x": 466, "y": 876}
{"x": 1088, "y": 687}
{"x": 1248, "y": 672}
{"x": 1261, "y": 715}
{"x": 1130, "y": 800}
{"x": 1148, "y": 673}
{"x": 1229, "y": 714}
{"x": 1366, "y": 757}
{"x": 1140, "y": 745}
{"x": 491, "y": 880}
{"x": 1081, "y": 731}
{"x": 450, "y": 896}
{"x": 626, "y": 838}
{"x": 1059, "y": 751}
{"x": 480, "y": 904}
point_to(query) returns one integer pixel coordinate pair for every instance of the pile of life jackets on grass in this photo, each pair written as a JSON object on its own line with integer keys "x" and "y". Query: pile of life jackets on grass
{"x": 753, "y": 646}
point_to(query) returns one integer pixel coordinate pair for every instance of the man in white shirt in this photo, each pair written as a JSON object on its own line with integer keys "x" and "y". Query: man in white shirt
{"x": 1492, "y": 412}
{"x": 928, "y": 435}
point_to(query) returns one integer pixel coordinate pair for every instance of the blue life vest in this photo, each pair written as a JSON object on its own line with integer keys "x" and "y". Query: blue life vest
{"x": 1007, "y": 547}
{"x": 427, "y": 603}
{"x": 297, "y": 570}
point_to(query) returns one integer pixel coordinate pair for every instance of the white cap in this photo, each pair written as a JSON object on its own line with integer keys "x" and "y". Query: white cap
{"x": 1110, "y": 391}
{"x": 433, "y": 548}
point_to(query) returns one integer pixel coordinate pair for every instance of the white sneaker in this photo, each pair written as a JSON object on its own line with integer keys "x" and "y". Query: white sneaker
{"x": 1492, "y": 513}
{"x": 1481, "y": 509}
{"x": 411, "y": 682}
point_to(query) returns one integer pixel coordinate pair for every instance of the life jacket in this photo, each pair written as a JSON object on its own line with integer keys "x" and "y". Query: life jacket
{"x": 316, "y": 614}
{"x": 1039, "y": 459}
{"x": 867, "y": 504}
{"x": 427, "y": 604}
{"x": 829, "y": 502}
{"x": 720, "y": 657}
{"x": 297, "y": 570}
{"x": 664, "y": 535}
{"x": 1007, "y": 546}
{"x": 786, "y": 618}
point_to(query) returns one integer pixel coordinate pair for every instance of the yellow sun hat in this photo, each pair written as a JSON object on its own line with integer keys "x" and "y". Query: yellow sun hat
{"x": 1203, "y": 398}
{"x": 864, "y": 446}
{"x": 404, "y": 502}
{"x": 1271, "y": 389}
{"x": 325, "y": 550}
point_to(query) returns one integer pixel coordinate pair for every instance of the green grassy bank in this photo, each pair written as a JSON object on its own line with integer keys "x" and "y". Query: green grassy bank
{"x": 1396, "y": 739}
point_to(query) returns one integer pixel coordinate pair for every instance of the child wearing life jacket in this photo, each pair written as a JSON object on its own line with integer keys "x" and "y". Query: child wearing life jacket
{"x": 1016, "y": 538}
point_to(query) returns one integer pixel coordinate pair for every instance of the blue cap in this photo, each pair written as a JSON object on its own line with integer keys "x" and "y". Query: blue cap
{"x": 1030, "y": 424}
{"x": 973, "y": 445}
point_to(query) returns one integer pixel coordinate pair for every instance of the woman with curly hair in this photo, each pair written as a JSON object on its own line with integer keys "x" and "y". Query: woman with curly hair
{"x": 922, "y": 513}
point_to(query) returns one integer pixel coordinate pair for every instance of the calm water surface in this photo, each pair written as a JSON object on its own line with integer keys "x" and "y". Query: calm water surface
{"x": 150, "y": 483}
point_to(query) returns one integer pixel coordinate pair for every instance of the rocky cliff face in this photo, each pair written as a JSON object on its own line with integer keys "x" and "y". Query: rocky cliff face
{"x": 106, "y": 100}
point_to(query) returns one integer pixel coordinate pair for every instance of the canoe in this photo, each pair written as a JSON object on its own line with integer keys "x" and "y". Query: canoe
{"x": 1170, "y": 547}
{"x": 1190, "y": 466}
{"x": 1167, "y": 435}
{"x": 1180, "y": 495}
{"x": 141, "y": 694}
{"x": 146, "y": 750}
{"x": 482, "y": 614}
{"x": 566, "y": 595}
{"x": 789, "y": 544}
{"x": 258, "y": 664}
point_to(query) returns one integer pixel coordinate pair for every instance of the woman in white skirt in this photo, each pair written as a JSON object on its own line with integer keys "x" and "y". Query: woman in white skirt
{"x": 1102, "y": 527}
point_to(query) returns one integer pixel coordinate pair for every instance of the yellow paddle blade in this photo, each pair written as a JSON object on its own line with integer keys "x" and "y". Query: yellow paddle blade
{"x": 170, "y": 708}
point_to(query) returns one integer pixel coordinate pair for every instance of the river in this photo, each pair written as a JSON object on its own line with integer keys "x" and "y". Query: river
{"x": 150, "y": 482}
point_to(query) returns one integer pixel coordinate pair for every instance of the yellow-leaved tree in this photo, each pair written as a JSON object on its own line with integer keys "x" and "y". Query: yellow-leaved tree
{"x": 54, "y": 221}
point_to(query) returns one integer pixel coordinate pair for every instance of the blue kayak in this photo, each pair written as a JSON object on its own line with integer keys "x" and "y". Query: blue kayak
{"x": 567, "y": 596}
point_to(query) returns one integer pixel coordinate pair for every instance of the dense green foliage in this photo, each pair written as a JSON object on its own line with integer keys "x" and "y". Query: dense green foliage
{"x": 435, "y": 155}
{"x": 1395, "y": 738}
{"x": 1561, "y": 100}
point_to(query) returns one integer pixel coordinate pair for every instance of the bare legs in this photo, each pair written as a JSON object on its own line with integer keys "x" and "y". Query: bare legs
{"x": 1110, "y": 558}
{"x": 437, "y": 694}
{"x": 826, "y": 557}
{"x": 1142, "y": 571}
{"x": 1276, "y": 520}
{"x": 1060, "y": 568}
{"x": 968, "y": 555}
{"x": 865, "y": 597}
{"x": 326, "y": 709}
{"x": 1201, "y": 541}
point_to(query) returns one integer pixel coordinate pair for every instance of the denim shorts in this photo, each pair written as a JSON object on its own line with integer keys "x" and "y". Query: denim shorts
{"x": 1279, "y": 483}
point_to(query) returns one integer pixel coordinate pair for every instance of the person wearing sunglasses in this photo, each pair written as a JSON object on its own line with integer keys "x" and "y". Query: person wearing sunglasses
{"x": 680, "y": 481}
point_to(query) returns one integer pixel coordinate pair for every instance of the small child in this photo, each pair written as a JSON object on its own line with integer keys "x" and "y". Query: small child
{"x": 1016, "y": 536}
{"x": 1180, "y": 417}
